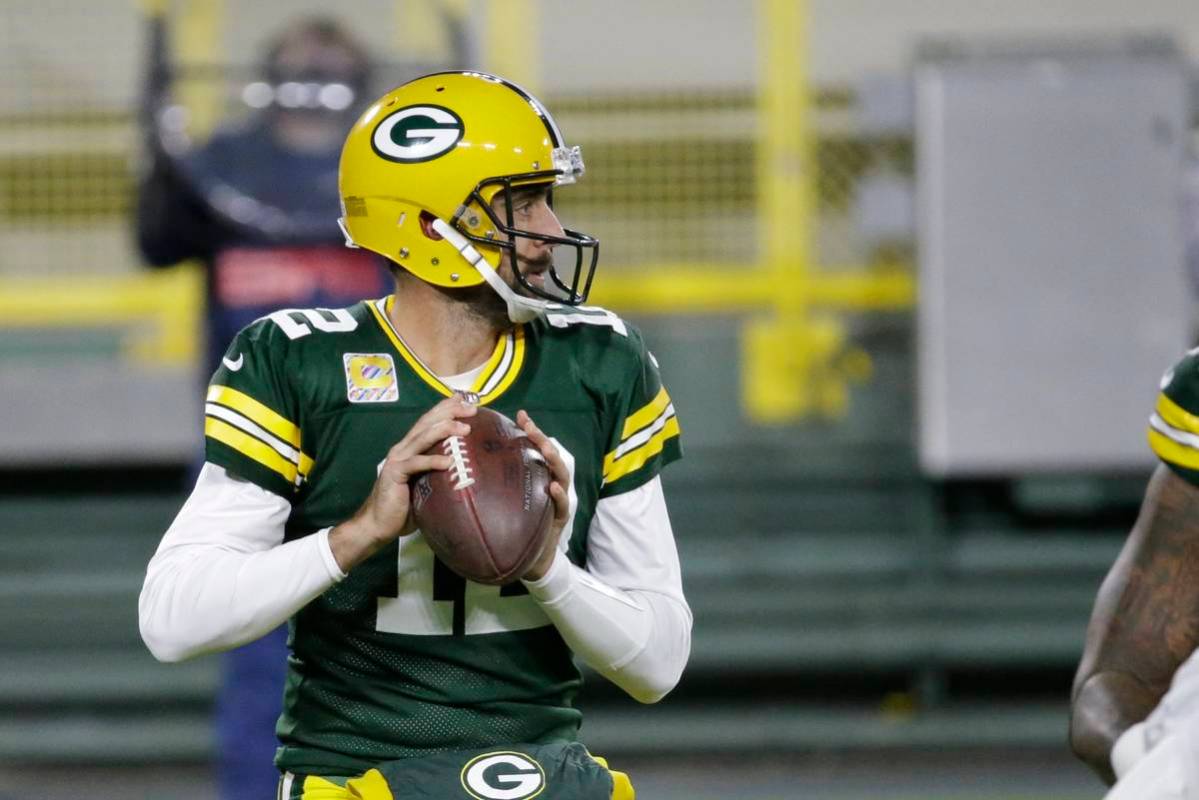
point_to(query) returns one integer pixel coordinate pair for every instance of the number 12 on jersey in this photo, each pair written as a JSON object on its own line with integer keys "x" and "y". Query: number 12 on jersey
{"x": 433, "y": 601}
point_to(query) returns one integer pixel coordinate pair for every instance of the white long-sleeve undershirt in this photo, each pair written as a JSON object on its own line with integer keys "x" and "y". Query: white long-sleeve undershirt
{"x": 625, "y": 615}
{"x": 223, "y": 576}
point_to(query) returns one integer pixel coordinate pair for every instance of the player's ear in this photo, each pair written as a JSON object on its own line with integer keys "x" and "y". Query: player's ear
{"x": 426, "y": 226}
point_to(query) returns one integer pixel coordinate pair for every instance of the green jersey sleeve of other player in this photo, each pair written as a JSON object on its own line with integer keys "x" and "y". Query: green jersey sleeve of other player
{"x": 251, "y": 414}
{"x": 1174, "y": 425}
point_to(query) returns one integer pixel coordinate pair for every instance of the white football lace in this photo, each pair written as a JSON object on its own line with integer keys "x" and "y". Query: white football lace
{"x": 455, "y": 448}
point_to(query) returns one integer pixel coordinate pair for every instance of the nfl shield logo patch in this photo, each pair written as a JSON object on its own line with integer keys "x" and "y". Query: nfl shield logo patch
{"x": 370, "y": 378}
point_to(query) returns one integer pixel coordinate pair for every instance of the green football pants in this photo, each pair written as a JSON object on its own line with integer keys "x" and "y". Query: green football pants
{"x": 564, "y": 771}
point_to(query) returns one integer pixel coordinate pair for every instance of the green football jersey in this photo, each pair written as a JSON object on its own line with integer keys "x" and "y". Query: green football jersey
{"x": 403, "y": 656}
{"x": 1174, "y": 425}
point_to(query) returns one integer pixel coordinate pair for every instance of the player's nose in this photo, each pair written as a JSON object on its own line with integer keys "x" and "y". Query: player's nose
{"x": 545, "y": 221}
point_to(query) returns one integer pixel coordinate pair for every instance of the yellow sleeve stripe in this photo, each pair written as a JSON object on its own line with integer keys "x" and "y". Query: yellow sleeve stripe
{"x": 616, "y": 468}
{"x": 646, "y": 414}
{"x": 1176, "y": 416}
{"x": 250, "y": 447}
{"x": 256, "y": 412}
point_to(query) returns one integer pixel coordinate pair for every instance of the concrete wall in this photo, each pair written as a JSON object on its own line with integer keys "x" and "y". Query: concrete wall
{"x": 620, "y": 43}
{"x": 89, "y": 52}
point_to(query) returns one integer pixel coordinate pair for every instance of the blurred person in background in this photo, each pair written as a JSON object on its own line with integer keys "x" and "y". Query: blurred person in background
{"x": 1135, "y": 709}
{"x": 405, "y": 680}
{"x": 258, "y": 202}
{"x": 258, "y": 205}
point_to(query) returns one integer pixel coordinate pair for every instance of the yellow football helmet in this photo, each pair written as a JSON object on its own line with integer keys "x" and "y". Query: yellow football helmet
{"x": 446, "y": 144}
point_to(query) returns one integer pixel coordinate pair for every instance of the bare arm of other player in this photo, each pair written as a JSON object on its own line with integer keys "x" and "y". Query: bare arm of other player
{"x": 1145, "y": 622}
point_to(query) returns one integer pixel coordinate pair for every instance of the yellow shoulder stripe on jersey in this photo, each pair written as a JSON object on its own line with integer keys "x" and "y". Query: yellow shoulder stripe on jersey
{"x": 646, "y": 414}
{"x": 617, "y": 466}
{"x": 257, "y": 450}
{"x": 256, "y": 412}
{"x": 501, "y": 370}
{"x": 1176, "y": 416}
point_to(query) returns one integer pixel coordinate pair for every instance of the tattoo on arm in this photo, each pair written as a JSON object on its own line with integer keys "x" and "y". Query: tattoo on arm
{"x": 1156, "y": 622}
{"x": 1145, "y": 621}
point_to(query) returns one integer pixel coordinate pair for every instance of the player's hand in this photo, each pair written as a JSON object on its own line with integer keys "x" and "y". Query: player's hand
{"x": 561, "y": 479}
{"x": 385, "y": 514}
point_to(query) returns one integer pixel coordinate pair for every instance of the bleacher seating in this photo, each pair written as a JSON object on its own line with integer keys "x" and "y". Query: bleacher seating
{"x": 835, "y": 578}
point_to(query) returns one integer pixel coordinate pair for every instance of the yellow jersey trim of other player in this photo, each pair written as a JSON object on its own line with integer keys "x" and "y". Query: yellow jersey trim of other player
{"x": 1174, "y": 434}
{"x": 1176, "y": 416}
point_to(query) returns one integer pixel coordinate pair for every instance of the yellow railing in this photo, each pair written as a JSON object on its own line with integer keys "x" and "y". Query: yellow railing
{"x": 158, "y": 313}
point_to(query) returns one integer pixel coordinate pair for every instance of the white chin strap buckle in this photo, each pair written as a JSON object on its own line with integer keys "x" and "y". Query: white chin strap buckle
{"x": 520, "y": 309}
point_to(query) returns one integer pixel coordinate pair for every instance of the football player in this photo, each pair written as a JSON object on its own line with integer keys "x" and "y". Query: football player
{"x": 406, "y": 680}
{"x": 1133, "y": 712}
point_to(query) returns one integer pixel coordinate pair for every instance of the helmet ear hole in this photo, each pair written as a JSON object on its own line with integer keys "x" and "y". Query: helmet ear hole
{"x": 426, "y": 226}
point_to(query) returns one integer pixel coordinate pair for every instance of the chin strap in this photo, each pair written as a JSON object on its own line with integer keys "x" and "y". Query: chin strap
{"x": 520, "y": 308}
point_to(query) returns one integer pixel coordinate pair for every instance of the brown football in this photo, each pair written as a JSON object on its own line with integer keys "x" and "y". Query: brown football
{"x": 488, "y": 516}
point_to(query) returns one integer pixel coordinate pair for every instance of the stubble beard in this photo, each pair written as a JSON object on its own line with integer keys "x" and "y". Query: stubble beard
{"x": 481, "y": 304}
{"x": 484, "y": 304}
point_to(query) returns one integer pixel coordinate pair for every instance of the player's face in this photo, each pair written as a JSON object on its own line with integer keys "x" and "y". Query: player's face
{"x": 531, "y": 212}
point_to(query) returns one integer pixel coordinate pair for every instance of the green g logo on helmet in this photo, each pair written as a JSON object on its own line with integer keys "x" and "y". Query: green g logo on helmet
{"x": 417, "y": 133}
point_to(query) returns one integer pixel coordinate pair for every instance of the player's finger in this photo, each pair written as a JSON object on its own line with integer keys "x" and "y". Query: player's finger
{"x": 561, "y": 503}
{"x": 400, "y": 469}
{"x": 423, "y": 437}
{"x": 548, "y": 450}
{"x": 453, "y": 407}
{"x": 449, "y": 409}
{"x": 415, "y": 465}
{"x": 526, "y": 424}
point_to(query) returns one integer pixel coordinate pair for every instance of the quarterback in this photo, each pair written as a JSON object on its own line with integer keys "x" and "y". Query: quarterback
{"x": 405, "y": 680}
{"x": 1135, "y": 714}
